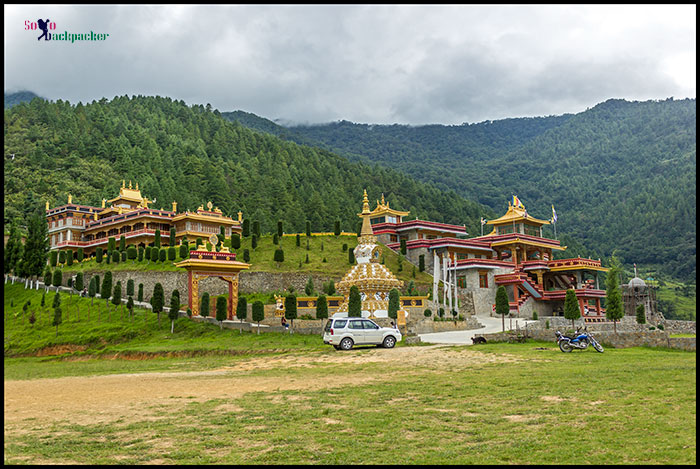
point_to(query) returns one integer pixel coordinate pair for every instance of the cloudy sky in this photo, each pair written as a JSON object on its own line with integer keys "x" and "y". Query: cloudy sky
{"x": 407, "y": 64}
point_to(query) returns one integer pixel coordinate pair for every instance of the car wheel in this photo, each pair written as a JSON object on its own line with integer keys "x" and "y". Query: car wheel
{"x": 346, "y": 343}
{"x": 389, "y": 341}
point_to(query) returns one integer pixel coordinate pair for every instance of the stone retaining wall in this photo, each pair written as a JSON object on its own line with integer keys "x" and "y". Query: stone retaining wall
{"x": 647, "y": 338}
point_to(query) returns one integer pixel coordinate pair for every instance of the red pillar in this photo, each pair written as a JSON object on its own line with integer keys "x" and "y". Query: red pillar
{"x": 189, "y": 290}
{"x": 230, "y": 300}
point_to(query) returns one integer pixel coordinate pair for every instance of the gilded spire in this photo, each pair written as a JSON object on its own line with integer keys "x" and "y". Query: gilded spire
{"x": 366, "y": 225}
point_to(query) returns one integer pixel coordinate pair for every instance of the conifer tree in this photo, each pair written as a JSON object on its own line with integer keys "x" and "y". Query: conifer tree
{"x": 171, "y": 253}
{"x": 106, "y": 287}
{"x": 235, "y": 241}
{"x": 162, "y": 255}
{"x": 394, "y": 303}
{"x": 154, "y": 254}
{"x": 256, "y": 228}
{"x": 309, "y": 289}
{"x": 47, "y": 276}
{"x": 122, "y": 243}
{"x": 571, "y": 308}
{"x": 246, "y": 255}
{"x": 403, "y": 246}
{"x": 308, "y": 229}
{"x": 336, "y": 231}
{"x": 79, "y": 284}
{"x": 351, "y": 256}
{"x": 354, "y": 303}
{"x": 92, "y": 289}
{"x": 279, "y": 256}
{"x": 290, "y": 309}
{"x": 174, "y": 309}
{"x": 245, "y": 228}
{"x": 421, "y": 263}
{"x": 280, "y": 232}
{"x": 141, "y": 252}
{"x": 641, "y": 316}
{"x": 258, "y": 313}
{"x": 130, "y": 287}
{"x": 80, "y": 255}
{"x": 322, "y": 307}
{"x": 62, "y": 257}
{"x": 13, "y": 251}
{"x": 131, "y": 253}
{"x": 157, "y": 300}
{"x": 502, "y": 306}
{"x": 98, "y": 255}
{"x": 53, "y": 258}
{"x": 241, "y": 310}
{"x": 156, "y": 242}
{"x": 130, "y": 307}
{"x": 204, "y": 305}
{"x": 254, "y": 242}
{"x": 117, "y": 295}
{"x": 115, "y": 257}
{"x": 111, "y": 244}
{"x": 171, "y": 241}
{"x": 298, "y": 239}
{"x": 221, "y": 311}
{"x": 184, "y": 251}
{"x": 57, "y": 278}
{"x": 614, "y": 310}
{"x": 140, "y": 294}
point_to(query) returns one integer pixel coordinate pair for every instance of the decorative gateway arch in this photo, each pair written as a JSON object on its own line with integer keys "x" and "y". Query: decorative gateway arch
{"x": 203, "y": 264}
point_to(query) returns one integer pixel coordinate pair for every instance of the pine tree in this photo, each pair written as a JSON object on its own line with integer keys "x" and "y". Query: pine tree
{"x": 298, "y": 240}
{"x": 394, "y": 303}
{"x": 171, "y": 241}
{"x": 258, "y": 313}
{"x": 571, "y": 308}
{"x": 47, "y": 276}
{"x": 245, "y": 228}
{"x": 221, "y": 311}
{"x": 130, "y": 287}
{"x": 156, "y": 242}
{"x": 106, "y": 287}
{"x": 13, "y": 251}
{"x": 122, "y": 243}
{"x": 62, "y": 257}
{"x": 322, "y": 307}
{"x": 204, "y": 305}
{"x": 246, "y": 255}
{"x": 354, "y": 303}
{"x": 184, "y": 251}
{"x": 290, "y": 308}
{"x": 280, "y": 232}
{"x": 53, "y": 258}
{"x": 308, "y": 229}
{"x": 171, "y": 253}
{"x": 309, "y": 289}
{"x": 57, "y": 278}
{"x": 79, "y": 284}
{"x": 254, "y": 242}
{"x": 140, "y": 294}
{"x": 502, "y": 306}
{"x": 403, "y": 246}
{"x": 98, "y": 255}
{"x": 241, "y": 310}
{"x": 351, "y": 256}
{"x": 256, "y": 228}
{"x": 80, "y": 255}
{"x": 111, "y": 244}
{"x": 641, "y": 316}
{"x": 235, "y": 241}
{"x": 614, "y": 310}
{"x": 157, "y": 300}
{"x": 131, "y": 253}
{"x": 279, "y": 256}
{"x": 336, "y": 231}
{"x": 117, "y": 295}
{"x": 174, "y": 309}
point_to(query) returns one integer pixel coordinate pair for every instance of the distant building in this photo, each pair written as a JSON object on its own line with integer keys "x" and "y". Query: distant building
{"x": 636, "y": 293}
{"x": 72, "y": 226}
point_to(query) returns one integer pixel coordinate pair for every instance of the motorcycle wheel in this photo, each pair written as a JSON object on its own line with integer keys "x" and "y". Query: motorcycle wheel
{"x": 565, "y": 346}
{"x": 598, "y": 347}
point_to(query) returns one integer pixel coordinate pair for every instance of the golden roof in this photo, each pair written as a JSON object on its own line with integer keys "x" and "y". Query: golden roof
{"x": 514, "y": 214}
{"x": 383, "y": 208}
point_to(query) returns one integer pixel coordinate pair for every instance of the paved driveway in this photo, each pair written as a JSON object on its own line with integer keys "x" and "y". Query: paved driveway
{"x": 465, "y": 337}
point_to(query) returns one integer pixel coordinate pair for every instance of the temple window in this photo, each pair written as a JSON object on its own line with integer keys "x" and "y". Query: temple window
{"x": 377, "y": 220}
{"x": 390, "y": 219}
{"x": 462, "y": 282}
{"x": 483, "y": 280}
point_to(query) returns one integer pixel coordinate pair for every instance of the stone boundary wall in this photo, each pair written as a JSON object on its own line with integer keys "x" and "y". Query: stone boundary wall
{"x": 627, "y": 324}
{"x": 610, "y": 339}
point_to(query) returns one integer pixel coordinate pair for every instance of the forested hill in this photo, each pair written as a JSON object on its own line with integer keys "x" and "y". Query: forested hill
{"x": 192, "y": 155}
{"x": 621, "y": 175}
{"x": 12, "y": 99}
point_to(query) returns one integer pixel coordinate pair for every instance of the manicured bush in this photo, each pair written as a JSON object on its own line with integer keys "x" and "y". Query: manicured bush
{"x": 122, "y": 243}
{"x": 254, "y": 242}
{"x": 322, "y": 307}
{"x": 204, "y": 305}
{"x": 171, "y": 253}
{"x": 62, "y": 257}
{"x": 394, "y": 304}
{"x": 351, "y": 257}
{"x": 245, "y": 228}
{"x": 421, "y": 263}
{"x": 641, "y": 316}
{"x": 403, "y": 246}
{"x": 163, "y": 254}
{"x": 171, "y": 241}
{"x": 258, "y": 313}
{"x": 308, "y": 229}
{"x": 336, "y": 230}
{"x": 154, "y": 254}
{"x": 141, "y": 253}
{"x": 571, "y": 309}
{"x": 57, "y": 278}
{"x": 184, "y": 251}
{"x": 235, "y": 241}
{"x": 130, "y": 287}
{"x": 98, "y": 255}
{"x": 47, "y": 276}
{"x": 157, "y": 300}
{"x": 53, "y": 258}
{"x": 131, "y": 253}
{"x": 115, "y": 256}
{"x": 309, "y": 289}
{"x": 279, "y": 255}
{"x": 246, "y": 255}
{"x": 427, "y": 313}
{"x": 241, "y": 309}
{"x": 111, "y": 244}
{"x": 123, "y": 256}
{"x": 275, "y": 239}
{"x": 106, "y": 287}
{"x": 354, "y": 303}
{"x": 140, "y": 294}
{"x": 280, "y": 232}
{"x": 298, "y": 239}
{"x": 80, "y": 255}
{"x": 79, "y": 284}
{"x": 256, "y": 228}
{"x": 221, "y": 310}
{"x": 156, "y": 242}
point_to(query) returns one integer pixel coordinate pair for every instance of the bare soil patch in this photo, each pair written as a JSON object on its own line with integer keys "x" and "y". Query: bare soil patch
{"x": 139, "y": 396}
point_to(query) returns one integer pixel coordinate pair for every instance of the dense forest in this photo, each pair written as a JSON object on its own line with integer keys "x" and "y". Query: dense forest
{"x": 621, "y": 175}
{"x": 191, "y": 155}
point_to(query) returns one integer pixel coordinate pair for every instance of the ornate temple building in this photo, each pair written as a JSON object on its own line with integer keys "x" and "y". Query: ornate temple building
{"x": 73, "y": 226}
{"x": 636, "y": 292}
{"x": 515, "y": 254}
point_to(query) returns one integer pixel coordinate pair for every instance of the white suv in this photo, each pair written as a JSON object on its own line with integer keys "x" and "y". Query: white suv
{"x": 343, "y": 333}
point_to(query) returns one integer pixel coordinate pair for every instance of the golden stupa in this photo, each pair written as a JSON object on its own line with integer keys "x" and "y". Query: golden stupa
{"x": 373, "y": 279}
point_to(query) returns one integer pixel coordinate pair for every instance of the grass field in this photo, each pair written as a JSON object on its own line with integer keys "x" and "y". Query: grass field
{"x": 232, "y": 398}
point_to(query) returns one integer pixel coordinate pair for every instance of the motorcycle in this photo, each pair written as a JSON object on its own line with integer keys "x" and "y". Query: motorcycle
{"x": 580, "y": 341}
